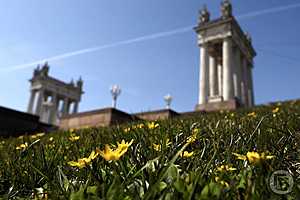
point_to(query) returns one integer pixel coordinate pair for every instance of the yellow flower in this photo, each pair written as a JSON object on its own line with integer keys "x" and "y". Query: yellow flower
{"x": 74, "y": 138}
{"x": 225, "y": 168}
{"x": 186, "y": 154}
{"x": 168, "y": 143}
{"x": 276, "y": 110}
{"x": 40, "y": 134}
{"x": 22, "y": 146}
{"x": 93, "y": 155}
{"x": 240, "y": 157}
{"x": 232, "y": 114}
{"x": 37, "y": 135}
{"x": 126, "y": 130}
{"x": 253, "y": 157}
{"x": 192, "y": 138}
{"x": 268, "y": 157}
{"x": 253, "y": 114}
{"x": 51, "y": 139}
{"x": 83, "y": 162}
{"x": 152, "y": 125}
{"x": 157, "y": 147}
{"x": 224, "y": 183}
{"x": 140, "y": 126}
{"x": 124, "y": 145}
{"x": 109, "y": 154}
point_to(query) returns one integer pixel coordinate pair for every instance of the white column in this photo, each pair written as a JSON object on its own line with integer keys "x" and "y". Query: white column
{"x": 75, "y": 108}
{"x": 243, "y": 91}
{"x": 237, "y": 74}
{"x": 31, "y": 101}
{"x": 203, "y": 82}
{"x": 53, "y": 111}
{"x": 65, "y": 106}
{"x": 250, "y": 87}
{"x": 213, "y": 76}
{"x": 245, "y": 82}
{"x": 228, "y": 92}
{"x": 220, "y": 79}
{"x": 39, "y": 105}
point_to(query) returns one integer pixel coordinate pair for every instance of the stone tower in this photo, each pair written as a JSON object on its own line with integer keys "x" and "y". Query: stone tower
{"x": 51, "y": 98}
{"x": 226, "y": 62}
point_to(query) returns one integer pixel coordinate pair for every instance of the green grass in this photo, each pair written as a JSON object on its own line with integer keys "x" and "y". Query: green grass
{"x": 144, "y": 173}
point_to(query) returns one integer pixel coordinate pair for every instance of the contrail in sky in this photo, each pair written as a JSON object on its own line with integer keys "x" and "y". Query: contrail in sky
{"x": 143, "y": 38}
{"x": 102, "y": 47}
{"x": 269, "y": 11}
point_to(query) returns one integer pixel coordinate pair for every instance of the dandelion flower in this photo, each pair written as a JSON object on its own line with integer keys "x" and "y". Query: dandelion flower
{"x": 252, "y": 114}
{"x": 192, "y": 138}
{"x": 110, "y": 154}
{"x": 196, "y": 130}
{"x": 152, "y": 125}
{"x": 74, "y": 138}
{"x": 157, "y": 147}
{"x": 37, "y": 135}
{"x": 140, "y": 126}
{"x": 83, "y": 162}
{"x": 253, "y": 157}
{"x": 124, "y": 145}
{"x": 240, "y": 157}
{"x": 186, "y": 154}
{"x": 276, "y": 110}
{"x": 126, "y": 130}
{"x": 224, "y": 183}
{"x": 225, "y": 168}
{"x": 22, "y": 146}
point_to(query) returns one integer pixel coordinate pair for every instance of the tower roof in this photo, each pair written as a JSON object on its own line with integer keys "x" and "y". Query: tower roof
{"x": 225, "y": 26}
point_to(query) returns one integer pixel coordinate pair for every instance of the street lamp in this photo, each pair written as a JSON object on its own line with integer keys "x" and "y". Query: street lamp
{"x": 168, "y": 99}
{"x": 115, "y": 91}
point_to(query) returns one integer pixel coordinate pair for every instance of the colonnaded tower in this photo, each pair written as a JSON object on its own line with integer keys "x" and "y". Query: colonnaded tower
{"x": 51, "y": 98}
{"x": 226, "y": 62}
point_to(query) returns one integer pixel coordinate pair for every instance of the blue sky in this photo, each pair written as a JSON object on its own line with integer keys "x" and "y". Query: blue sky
{"x": 148, "y": 68}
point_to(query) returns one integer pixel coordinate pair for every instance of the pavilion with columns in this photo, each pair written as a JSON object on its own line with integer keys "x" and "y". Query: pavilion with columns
{"x": 51, "y": 98}
{"x": 226, "y": 62}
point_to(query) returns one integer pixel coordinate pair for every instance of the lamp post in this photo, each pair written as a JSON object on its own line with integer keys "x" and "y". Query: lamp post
{"x": 115, "y": 91}
{"x": 168, "y": 99}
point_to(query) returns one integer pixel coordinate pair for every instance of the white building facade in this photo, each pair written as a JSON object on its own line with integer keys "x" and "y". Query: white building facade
{"x": 226, "y": 62}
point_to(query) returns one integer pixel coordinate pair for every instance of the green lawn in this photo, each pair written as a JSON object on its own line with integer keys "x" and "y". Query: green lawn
{"x": 184, "y": 158}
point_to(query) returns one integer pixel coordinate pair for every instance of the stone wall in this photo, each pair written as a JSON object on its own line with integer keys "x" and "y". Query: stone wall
{"x": 110, "y": 116}
{"x": 232, "y": 104}
{"x": 96, "y": 118}
{"x": 157, "y": 115}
